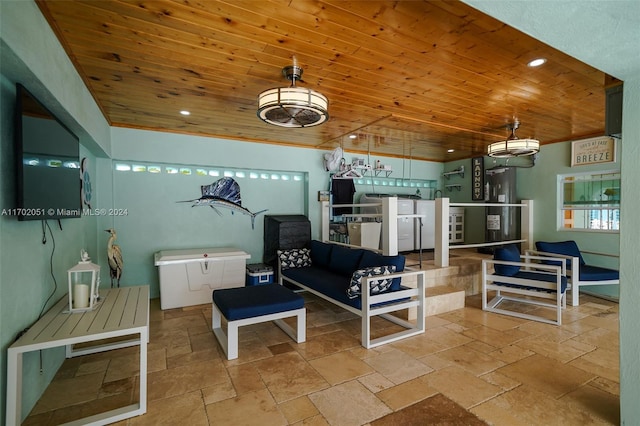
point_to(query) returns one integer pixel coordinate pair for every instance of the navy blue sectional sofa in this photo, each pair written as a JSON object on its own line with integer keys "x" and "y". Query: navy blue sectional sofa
{"x": 339, "y": 274}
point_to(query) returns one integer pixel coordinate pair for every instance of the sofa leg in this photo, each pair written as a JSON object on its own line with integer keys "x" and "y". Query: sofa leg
{"x": 366, "y": 332}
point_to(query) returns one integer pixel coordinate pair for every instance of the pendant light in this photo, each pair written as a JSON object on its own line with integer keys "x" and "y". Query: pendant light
{"x": 512, "y": 146}
{"x": 292, "y": 106}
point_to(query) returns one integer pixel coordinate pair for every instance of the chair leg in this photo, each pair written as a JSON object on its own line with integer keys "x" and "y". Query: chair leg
{"x": 232, "y": 340}
{"x": 575, "y": 294}
{"x": 301, "y": 323}
{"x": 216, "y": 318}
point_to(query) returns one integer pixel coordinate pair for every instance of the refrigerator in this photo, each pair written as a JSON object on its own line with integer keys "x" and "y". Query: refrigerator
{"x": 428, "y": 229}
{"x": 405, "y": 225}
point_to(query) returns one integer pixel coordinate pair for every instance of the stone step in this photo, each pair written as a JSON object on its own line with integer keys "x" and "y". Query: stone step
{"x": 466, "y": 277}
{"x": 439, "y": 299}
{"x": 443, "y": 298}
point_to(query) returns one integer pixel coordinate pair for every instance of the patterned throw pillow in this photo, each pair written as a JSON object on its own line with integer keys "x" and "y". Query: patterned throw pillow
{"x": 376, "y": 286}
{"x": 294, "y": 258}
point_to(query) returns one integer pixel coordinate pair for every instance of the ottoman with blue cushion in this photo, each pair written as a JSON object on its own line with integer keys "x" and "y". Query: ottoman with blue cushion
{"x": 255, "y": 304}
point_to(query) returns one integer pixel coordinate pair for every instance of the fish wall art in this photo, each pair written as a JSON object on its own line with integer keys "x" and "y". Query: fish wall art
{"x": 223, "y": 193}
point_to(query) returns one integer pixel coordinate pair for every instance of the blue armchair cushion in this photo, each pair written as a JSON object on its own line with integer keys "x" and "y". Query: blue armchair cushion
{"x": 597, "y": 273}
{"x": 321, "y": 253}
{"x": 537, "y": 276}
{"x": 294, "y": 258}
{"x": 508, "y": 253}
{"x": 344, "y": 260}
{"x": 377, "y": 286}
{"x": 370, "y": 259}
{"x": 567, "y": 248}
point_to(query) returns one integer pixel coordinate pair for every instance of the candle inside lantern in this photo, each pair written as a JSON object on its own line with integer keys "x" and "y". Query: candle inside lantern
{"x": 80, "y": 296}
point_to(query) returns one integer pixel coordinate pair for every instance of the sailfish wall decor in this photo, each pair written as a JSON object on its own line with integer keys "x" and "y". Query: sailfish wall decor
{"x": 223, "y": 193}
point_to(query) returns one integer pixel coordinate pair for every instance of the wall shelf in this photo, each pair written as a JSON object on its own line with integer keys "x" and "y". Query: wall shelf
{"x": 453, "y": 186}
{"x": 459, "y": 171}
{"x": 386, "y": 172}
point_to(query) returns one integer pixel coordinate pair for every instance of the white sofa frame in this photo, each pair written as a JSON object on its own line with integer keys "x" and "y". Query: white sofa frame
{"x": 415, "y": 296}
{"x": 574, "y": 280}
{"x": 549, "y": 295}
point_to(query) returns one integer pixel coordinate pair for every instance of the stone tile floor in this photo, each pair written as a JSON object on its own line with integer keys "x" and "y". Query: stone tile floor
{"x": 505, "y": 370}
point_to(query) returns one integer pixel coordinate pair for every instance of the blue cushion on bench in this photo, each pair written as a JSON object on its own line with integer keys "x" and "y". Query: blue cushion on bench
{"x": 254, "y": 301}
{"x": 508, "y": 253}
{"x": 566, "y": 248}
{"x": 597, "y": 273}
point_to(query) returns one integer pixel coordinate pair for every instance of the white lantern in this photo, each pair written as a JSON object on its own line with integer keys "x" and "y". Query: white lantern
{"x": 84, "y": 281}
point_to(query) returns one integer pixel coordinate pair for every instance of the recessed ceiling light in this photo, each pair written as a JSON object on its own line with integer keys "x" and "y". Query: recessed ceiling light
{"x": 185, "y": 112}
{"x": 537, "y": 62}
{"x": 353, "y": 136}
{"x": 450, "y": 150}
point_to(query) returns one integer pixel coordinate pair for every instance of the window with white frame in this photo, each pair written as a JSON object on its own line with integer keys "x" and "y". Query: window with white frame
{"x": 589, "y": 201}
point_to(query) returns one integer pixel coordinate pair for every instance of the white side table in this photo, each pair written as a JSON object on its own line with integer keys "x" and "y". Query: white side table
{"x": 122, "y": 312}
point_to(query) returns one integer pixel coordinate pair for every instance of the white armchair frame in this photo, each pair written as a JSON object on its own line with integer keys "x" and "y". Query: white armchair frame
{"x": 573, "y": 279}
{"x": 546, "y": 294}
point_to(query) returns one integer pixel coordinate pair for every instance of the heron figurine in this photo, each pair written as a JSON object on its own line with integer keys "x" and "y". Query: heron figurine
{"x": 114, "y": 255}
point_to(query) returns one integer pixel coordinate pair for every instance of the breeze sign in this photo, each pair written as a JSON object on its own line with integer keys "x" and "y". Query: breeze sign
{"x": 593, "y": 151}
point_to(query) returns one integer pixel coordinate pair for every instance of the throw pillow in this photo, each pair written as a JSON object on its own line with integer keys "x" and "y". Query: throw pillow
{"x": 370, "y": 259}
{"x": 508, "y": 253}
{"x": 294, "y": 258}
{"x": 377, "y": 286}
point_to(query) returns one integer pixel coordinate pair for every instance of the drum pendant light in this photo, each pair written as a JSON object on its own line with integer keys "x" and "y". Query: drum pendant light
{"x": 512, "y": 146}
{"x": 292, "y": 106}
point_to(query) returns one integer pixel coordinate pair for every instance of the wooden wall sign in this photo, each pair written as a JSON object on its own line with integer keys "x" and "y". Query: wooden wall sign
{"x": 593, "y": 151}
{"x": 477, "y": 179}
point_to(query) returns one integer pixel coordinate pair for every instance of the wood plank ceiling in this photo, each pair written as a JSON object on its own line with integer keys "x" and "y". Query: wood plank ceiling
{"x": 408, "y": 78}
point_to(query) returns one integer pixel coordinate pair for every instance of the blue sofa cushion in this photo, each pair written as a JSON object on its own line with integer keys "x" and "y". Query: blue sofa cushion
{"x": 530, "y": 275}
{"x": 567, "y": 248}
{"x": 377, "y": 286}
{"x": 329, "y": 283}
{"x": 370, "y": 259}
{"x": 254, "y": 301}
{"x": 597, "y": 273}
{"x": 321, "y": 253}
{"x": 294, "y": 258}
{"x": 344, "y": 260}
{"x": 508, "y": 253}
{"x": 325, "y": 281}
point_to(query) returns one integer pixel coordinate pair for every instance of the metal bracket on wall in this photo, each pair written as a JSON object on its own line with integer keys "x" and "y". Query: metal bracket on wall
{"x": 459, "y": 171}
{"x": 453, "y": 186}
